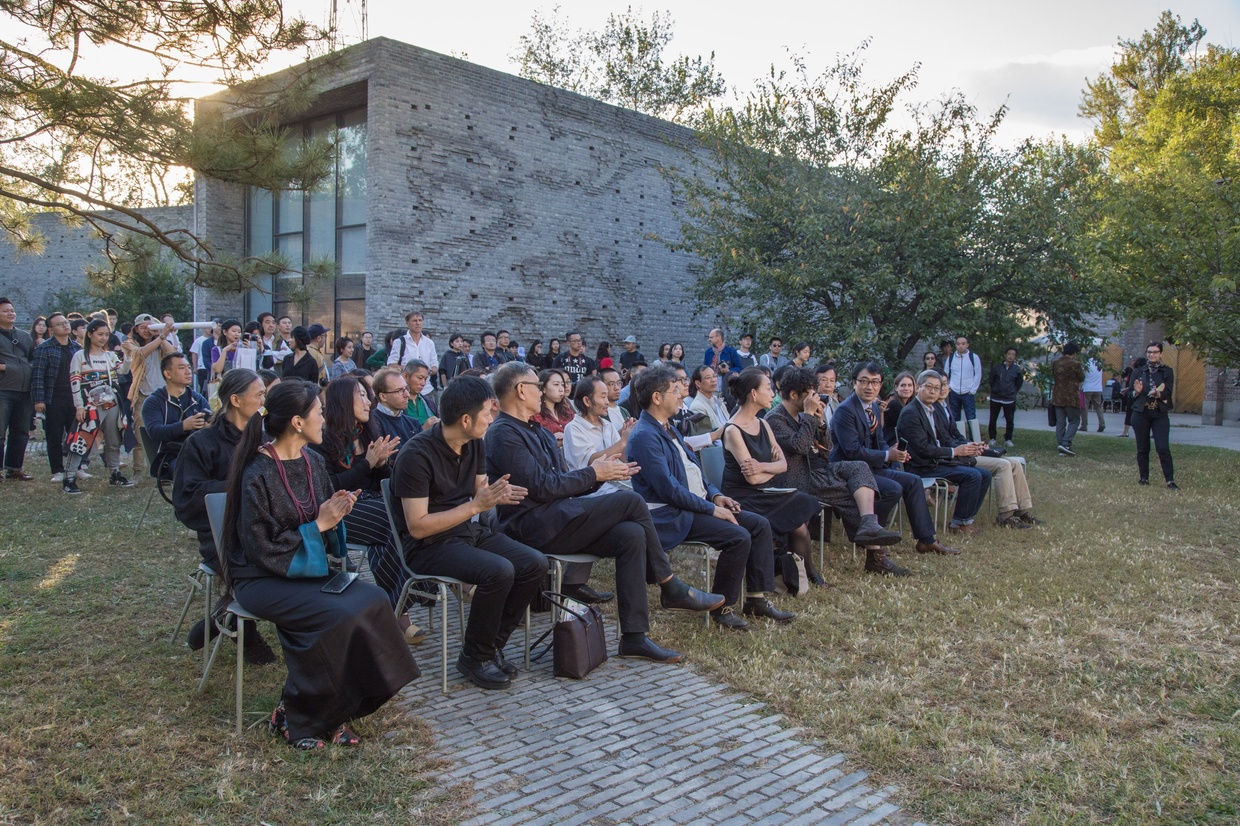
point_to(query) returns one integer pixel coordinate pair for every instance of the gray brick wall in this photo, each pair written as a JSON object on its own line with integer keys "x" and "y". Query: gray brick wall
{"x": 495, "y": 202}
{"x": 30, "y": 280}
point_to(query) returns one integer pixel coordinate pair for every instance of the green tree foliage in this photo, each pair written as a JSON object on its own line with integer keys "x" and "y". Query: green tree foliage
{"x": 1167, "y": 231}
{"x": 154, "y": 283}
{"x": 624, "y": 63}
{"x": 819, "y": 219}
{"x": 76, "y": 140}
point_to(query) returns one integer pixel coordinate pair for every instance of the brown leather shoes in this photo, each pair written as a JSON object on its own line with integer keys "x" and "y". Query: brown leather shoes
{"x": 19, "y": 475}
{"x": 967, "y": 530}
{"x": 936, "y": 547}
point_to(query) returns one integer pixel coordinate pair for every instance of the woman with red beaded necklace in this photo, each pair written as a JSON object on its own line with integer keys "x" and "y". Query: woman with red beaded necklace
{"x": 346, "y": 656}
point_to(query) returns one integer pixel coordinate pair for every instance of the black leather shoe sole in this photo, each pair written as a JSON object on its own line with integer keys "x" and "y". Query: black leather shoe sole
{"x": 880, "y": 538}
{"x": 770, "y": 612}
{"x": 695, "y": 600}
{"x": 588, "y": 595}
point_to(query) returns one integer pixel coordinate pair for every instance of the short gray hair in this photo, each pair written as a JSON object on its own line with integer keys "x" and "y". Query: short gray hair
{"x": 504, "y": 380}
{"x": 925, "y": 375}
{"x": 413, "y": 365}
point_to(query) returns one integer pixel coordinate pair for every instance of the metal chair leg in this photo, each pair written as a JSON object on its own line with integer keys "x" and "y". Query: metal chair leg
{"x": 240, "y": 668}
{"x": 206, "y": 623}
{"x": 527, "y": 638}
{"x": 443, "y": 642}
{"x": 195, "y": 582}
{"x": 149, "y": 499}
{"x": 215, "y": 649}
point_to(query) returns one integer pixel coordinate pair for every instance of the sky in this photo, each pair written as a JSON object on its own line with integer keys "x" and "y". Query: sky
{"x": 1033, "y": 56}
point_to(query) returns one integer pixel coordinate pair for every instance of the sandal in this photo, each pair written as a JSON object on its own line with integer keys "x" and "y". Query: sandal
{"x": 344, "y": 736}
{"x": 278, "y": 724}
{"x": 307, "y": 744}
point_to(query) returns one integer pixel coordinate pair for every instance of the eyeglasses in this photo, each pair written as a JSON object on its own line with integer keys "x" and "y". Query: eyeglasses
{"x": 615, "y": 384}
{"x": 400, "y": 391}
{"x": 1151, "y": 352}
{"x": 530, "y": 383}
{"x": 870, "y": 382}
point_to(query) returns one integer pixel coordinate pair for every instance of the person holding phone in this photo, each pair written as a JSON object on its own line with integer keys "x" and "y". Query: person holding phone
{"x": 173, "y": 412}
{"x": 345, "y": 654}
{"x": 1152, "y": 387}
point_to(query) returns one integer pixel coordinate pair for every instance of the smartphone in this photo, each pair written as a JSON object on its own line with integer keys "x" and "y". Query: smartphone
{"x": 339, "y": 582}
{"x": 902, "y": 444}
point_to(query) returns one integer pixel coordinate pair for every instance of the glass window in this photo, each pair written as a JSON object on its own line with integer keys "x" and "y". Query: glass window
{"x": 351, "y": 165}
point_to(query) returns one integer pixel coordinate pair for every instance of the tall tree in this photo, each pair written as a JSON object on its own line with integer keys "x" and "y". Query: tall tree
{"x": 76, "y": 140}
{"x": 624, "y": 63}
{"x": 1167, "y": 231}
{"x": 819, "y": 219}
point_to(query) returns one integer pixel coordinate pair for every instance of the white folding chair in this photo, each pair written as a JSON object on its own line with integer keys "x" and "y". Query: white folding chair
{"x": 201, "y": 579}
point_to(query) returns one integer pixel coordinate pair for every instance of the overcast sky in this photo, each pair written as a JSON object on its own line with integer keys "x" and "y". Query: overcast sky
{"x": 1036, "y": 56}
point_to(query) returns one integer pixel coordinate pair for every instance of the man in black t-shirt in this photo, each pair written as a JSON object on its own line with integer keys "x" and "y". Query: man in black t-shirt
{"x": 439, "y": 482}
{"x": 575, "y": 362}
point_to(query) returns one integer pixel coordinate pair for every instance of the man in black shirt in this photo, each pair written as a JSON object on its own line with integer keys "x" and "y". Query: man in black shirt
{"x": 50, "y": 389}
{"x": 629, "y": 357}
{"x": 575, "y": 362}
{"x": 16, "y": 406}
{"x": 439, "y": 481}
{"x": 559, "y": 518}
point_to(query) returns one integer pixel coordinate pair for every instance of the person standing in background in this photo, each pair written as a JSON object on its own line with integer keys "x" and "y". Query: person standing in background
{"x": 1092, "y": 387}
{"x": 1152, "y": 389}
{"x": 1006, "y": 379}
{"x": 1066, "y": 397}
{"x": 50, "y": 390}
{"x": 964, "y": 376}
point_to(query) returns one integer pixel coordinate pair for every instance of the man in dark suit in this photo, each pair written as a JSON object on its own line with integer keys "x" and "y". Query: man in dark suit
{"x": 686, "y": 507}
{"x": 933, "y": 451}
{"x": 557, "y": 517}
{"x": 856, "y": 434}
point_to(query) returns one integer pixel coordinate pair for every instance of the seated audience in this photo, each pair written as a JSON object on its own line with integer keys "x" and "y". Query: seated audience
{"x": 556, "y": 516}
{"x": 421, "y": 407}
{"x": 902, "y": 393}
{"x": 704, "y": 388}
{"x": 752, "y": 459}
{"x": 1012, "y": 498}
{"x": 847, "y": 486}
{"x": 357, "y": 455}
{"x": 173, "y": 412}
{"x": 202, "y": 468}
{"x": 610, "y": 377}
{"x": 685, "y": 507}
{"x": 935, "y": 452}
{"x": 345, "y": 653}
{"x": 392, "y": 404}
{"x": 556, "y": 411}
{"x": 855, "y": 438}
{"x": 439, "y": 487}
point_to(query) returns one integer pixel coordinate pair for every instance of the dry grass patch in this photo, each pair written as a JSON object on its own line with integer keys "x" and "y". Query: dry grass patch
{"x": 1083, "y": 672}
{"x": 100, "y": 719}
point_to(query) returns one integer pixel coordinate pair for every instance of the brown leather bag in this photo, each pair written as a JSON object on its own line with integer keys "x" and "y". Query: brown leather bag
{"x": 578, "y": 639}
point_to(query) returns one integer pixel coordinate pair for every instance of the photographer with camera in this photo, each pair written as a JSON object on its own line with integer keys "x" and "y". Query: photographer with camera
{"x": 144, "y": 350}
{"x": 173, "y": 412}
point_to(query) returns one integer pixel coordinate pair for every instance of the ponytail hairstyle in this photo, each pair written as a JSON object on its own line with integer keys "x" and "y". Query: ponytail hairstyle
{"x": 234, "y": 383}
{"x": 340, "y": 426}
{"x": 289, "y": 398}
{"x": 91, "y": 328}
{"x": 301, "y": 338}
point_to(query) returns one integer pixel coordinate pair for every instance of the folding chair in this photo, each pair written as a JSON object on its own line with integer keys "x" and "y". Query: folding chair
{"x": 942, "y": 503}
{"x": 201, "y": 579}
{"x": 148, "y": 445}
{"x": 215, "y": 503}
{"x": 442, "y": 583}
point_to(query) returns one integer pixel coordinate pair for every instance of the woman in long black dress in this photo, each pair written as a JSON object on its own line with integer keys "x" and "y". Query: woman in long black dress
{"x": 346, "y": 656}
{"x": 752, "y": 458}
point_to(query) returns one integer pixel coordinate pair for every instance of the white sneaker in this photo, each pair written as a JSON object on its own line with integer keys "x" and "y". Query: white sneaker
{"x": 58, "y": 477}
{"x": 82, "y": 474}
{"x": 1008, "y": 443}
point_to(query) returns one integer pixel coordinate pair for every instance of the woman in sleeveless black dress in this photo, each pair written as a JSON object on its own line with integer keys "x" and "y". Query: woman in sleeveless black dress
{"x": 752, "y": 458}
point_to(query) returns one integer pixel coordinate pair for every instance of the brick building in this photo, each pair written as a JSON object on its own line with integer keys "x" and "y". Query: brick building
{"x": 483, "y": 199}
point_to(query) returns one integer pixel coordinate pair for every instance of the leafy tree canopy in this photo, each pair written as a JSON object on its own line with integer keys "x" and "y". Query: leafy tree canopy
{"x": 624, "y": 63}
{"x": 1167, "y": 230}
{"x": 76, "y": 140}
{"x": 820, "y": 219}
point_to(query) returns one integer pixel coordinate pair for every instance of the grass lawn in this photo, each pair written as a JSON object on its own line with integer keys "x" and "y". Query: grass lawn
{"x": 1083, "y": 672}
{"x": 100, "y": 721}
{"x": 1087, "y": 671}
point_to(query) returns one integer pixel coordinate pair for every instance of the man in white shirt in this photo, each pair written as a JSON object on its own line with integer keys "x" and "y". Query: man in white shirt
{"x": 1092, "y": 388}
{"x": 964, "y": 376}
{"x": 611, "y": 378}
{"x": 592, "y": 435}
{"x": 275, "y": 350}
{"x": 414, "y": 345}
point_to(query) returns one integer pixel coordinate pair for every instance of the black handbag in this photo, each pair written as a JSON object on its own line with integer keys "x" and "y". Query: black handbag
{"x": 578, "y": 639}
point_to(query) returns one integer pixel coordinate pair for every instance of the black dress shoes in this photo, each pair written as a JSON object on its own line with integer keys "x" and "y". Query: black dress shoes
{"x": 505, "y": 666}
{"x": 585, "y": 594}
{"x": 483, "y": 674}
{"x": 648, "y": 649}
{"x": 878, "y": 536}
{"x": 727, "y": 618}
{"x": 763, "y": 607}
{"x": 694, "y": 599}
{"x": 1143, "y": 481}
{"x": 877, "y": 562}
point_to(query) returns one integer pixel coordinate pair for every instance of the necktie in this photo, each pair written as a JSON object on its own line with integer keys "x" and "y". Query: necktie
{"x": 869, "y": 414}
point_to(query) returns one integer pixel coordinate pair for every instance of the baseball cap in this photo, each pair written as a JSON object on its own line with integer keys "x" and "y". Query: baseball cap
{"x": 630, "y": 340}
{"x": 317, "y": 330}
{"x": 144, "y": 318}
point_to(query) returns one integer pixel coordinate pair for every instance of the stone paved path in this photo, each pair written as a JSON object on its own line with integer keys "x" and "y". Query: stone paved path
{"x": 634, "y": 743}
